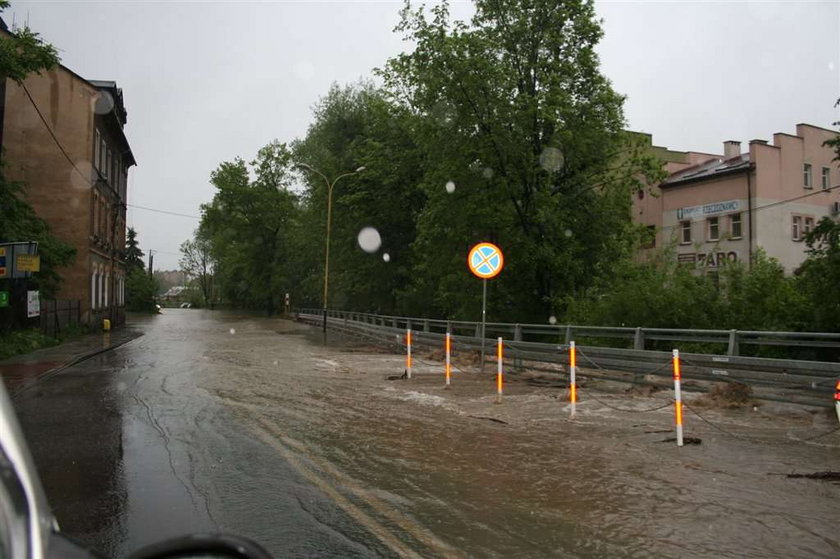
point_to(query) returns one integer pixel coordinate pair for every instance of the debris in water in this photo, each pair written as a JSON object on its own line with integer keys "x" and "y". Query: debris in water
{"x": 686, "y": 440}
{"x": 822, "y": 476}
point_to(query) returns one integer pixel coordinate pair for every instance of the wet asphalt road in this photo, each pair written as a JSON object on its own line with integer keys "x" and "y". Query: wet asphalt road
{"x": 131, "y": 450}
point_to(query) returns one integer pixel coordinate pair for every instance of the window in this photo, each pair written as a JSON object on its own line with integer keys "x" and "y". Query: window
{"x": 797, "y": 228}
{"x": 93, "y": 290}
{"x": 97, "y": 151}
{"x": 735, "y": 226}
{"x": 826, "y": 178}
{"x": 808, "y": 227}
{"x": 105, "y": 302}
{"x": 685, "y": 232}
{"x": 806, "y": 172}
{"x": 103, "y": 150}
{"x": 107, "y": 162}
{"x": 713, "y": 229}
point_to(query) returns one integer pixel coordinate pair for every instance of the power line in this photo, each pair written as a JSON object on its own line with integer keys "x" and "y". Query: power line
{"x": 162, "y": 211}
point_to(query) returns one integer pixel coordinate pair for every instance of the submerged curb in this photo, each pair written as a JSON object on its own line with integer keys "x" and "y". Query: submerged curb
{"x": 75, "y": 361}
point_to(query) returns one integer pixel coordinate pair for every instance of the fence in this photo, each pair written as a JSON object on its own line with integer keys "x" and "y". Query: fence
{"x": 543, "y": 347}
{"x": 56, "y": 316}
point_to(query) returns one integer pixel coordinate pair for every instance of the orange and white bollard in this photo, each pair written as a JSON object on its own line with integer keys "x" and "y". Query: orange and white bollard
{"x": 572, "y": 381}
{"x": 448, "y": 367}
{"x": 408, "y": 353}
{"x": 837, "y": 399}
{"x": 499, "y": 360}
{"x": 678, "y": 398}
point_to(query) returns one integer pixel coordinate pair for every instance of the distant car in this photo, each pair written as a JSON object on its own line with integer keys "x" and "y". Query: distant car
{"x": 186, "y": 305}
{"x": 28, "y": 530}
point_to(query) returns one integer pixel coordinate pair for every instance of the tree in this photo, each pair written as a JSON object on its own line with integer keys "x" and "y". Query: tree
{"x": 197, "y": 264}
{"x": 819, "y": 275}
{"x": 23, "y": 53}
{"x": 140, "y": 287}
{"x": 133, "y": 254}
{"x": 515, "y": 111}
{"x": 249, "y": 226}
{"x": 355, "y": 126}
{"x": 834, "y": 143}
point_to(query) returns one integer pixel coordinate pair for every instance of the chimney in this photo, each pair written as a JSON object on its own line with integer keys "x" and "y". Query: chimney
{"x": 731, "y": 148}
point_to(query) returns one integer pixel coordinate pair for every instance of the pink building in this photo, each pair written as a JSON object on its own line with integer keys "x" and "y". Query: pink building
{"x": 718, "y": 208}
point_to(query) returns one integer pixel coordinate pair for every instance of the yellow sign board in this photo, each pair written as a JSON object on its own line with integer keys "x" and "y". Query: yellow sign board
{"x": 28, "y": 263}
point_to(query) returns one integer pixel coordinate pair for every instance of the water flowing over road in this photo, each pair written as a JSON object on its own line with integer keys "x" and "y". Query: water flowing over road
{"x": 212, "y": 421}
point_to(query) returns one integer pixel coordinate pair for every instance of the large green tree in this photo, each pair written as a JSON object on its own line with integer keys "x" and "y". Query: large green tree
{"x": 356, "y": 127}
{"x": 517, "y": 114}
{"x": 249, "y": 226}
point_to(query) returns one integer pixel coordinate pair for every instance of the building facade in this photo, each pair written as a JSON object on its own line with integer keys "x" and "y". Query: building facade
{"x": 723, "y": 208}
{"x": 63, "y": 136}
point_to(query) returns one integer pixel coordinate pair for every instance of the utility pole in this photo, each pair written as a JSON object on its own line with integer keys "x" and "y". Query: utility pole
{"x": 151, "y": 262}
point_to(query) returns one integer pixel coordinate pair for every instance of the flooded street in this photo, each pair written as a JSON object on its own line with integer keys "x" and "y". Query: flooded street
{"x": 252, "y": 426}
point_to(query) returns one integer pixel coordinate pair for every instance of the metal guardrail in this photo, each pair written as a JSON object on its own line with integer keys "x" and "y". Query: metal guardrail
{"x": 786, "y": 380}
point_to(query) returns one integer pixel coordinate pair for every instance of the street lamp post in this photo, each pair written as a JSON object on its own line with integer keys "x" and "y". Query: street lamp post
{"x": 330, "y": 185}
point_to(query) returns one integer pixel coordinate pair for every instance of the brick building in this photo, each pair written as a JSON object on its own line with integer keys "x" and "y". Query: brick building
{"x": 718, "y": 208}
{"x": 63, "y": 136}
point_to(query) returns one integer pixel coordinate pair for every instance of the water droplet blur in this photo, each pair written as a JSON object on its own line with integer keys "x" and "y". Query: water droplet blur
{"x": 551, "y": 159}
{"x": 275, "y": 363}
{"x": 831, "y": 66}
{"x": 233, "y": 330}
{"x": 82, "y": 175}
{"x": 442, "y": 112}
{"x": 386, "y": 257}
{"x": 121, "y": 386}
{"x": 552, "y": 320}
{"x": 103, "y": 104}
{"x": 568, "y": 232}
{"x": 450, "y": 187}
{"x": 369, "y": 239}
{"x": 487, "y": 173}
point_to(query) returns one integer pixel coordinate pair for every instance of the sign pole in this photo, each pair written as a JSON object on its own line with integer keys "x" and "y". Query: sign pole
{"x": 483, "y": 321}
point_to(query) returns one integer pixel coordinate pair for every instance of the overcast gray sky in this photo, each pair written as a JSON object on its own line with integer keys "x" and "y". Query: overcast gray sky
{"x": 204, "y": 82}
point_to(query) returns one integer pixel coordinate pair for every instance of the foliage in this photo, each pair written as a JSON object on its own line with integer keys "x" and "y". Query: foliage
{"x": 24, "y": 341}
{"x": 133, "y": 254}
{"x": 819, "y": 275}
{"x": 514, "y": 110}
{"x": 21, "y": 223}
{"x": 834, "y": 143}
{"x": 140, "y": 287}
{"x": 23, "y": 52}
{"x": 197, "y": 264}
{"x": 140, "y": 291}
{"x": 249, "y": 226}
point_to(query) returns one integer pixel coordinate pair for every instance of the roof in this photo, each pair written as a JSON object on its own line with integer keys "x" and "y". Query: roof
{"x": 710, "y": 170}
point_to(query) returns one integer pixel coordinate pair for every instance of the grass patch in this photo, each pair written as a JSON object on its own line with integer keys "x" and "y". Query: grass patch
{"x": 24, "y": 341}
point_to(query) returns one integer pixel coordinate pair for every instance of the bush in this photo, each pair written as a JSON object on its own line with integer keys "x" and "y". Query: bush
{"x": 24, "y": 341}
{"x": 140, "y": 291}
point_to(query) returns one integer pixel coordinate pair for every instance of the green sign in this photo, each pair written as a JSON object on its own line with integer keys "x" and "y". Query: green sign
{"x": 4, "y": 299}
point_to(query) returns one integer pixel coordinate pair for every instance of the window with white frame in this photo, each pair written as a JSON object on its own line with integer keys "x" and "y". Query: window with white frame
{"x": 806, "y": 176}
{"x": 807, "y": 225}
{"x": 797, "y": 227}
{"x": 685, "y": 232}
{"x": 107, "y": 281}
{"x": 713, "y": 229}
{"x": 735, "y": 226}
{"x": 93, "y": 290}
{"x": 825, "y": 178}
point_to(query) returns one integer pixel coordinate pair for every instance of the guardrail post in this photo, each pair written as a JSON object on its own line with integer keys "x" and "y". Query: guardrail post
{"x": 478, "y": 331}
{"x": 639, "y": 339}
{"x": 426, "y": 325}
{"x": 448, "y": 327}
{"x": 517, "y": 337}
{"x": 568, "y": 334}
{"x": 394, "y": 322}
{"x": 408, "y": 324}
{"x": 733, "y": 343}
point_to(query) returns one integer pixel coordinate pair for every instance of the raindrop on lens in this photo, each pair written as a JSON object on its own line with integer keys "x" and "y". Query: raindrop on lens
{"x": 103, "y": 104}
{"x": 487, "y": 173}
{"x": 450, "y": 187}
{"x": 233, "y": 330}
{"x": 551, "y": 159}
{"x": 552, "y": 320}
{"x": 369, "y": 239}
{"x": 568, "y": 232}
{"x": 386, "y": 257}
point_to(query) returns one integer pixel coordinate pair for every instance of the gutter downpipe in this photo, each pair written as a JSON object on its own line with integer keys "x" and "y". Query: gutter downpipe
{"x": 750, "y": 213}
